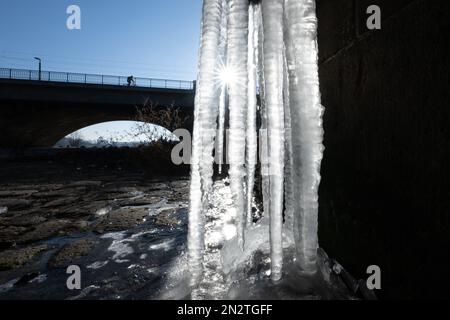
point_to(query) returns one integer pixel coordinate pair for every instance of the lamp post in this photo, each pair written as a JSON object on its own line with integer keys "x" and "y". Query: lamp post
{"x": 40, "y": 66}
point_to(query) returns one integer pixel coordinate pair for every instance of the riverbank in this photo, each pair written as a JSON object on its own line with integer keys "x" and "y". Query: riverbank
{"x": 98, "y": 209}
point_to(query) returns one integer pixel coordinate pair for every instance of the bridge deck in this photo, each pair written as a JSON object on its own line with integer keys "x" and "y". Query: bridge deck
{"x": 81, "y": 78}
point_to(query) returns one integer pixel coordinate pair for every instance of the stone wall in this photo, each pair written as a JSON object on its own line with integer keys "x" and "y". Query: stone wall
{"x": 384, "y": 198}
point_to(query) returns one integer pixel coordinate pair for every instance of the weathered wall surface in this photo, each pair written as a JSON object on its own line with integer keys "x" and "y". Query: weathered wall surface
{"x": 385, "y": 189}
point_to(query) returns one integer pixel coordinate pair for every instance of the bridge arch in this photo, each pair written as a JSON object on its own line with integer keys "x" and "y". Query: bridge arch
{"x": 116, "y": 133}
{"x": 39, "y": 114}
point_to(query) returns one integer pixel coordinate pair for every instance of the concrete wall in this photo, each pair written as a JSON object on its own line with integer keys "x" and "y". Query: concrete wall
{"x": 384, "y": 197}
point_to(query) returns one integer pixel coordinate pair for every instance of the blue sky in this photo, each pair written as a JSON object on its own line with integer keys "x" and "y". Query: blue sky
{"x": 144, "y": 38}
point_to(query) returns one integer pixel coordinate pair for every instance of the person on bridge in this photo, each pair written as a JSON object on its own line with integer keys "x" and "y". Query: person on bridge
{"x": 131, "y": 81}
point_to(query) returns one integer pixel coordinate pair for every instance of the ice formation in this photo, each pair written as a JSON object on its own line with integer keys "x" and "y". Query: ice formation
{"x": 258, "y": 60}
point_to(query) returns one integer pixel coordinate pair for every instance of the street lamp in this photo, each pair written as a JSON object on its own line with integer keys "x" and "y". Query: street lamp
{"x": 40, "y": 66}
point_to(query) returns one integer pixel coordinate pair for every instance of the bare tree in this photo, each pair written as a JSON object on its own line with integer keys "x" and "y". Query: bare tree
{"x": 75, "y": 140}
{"x": 170, "y": 118}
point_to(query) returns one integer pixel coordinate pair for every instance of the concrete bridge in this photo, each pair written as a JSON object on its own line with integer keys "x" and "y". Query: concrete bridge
{"x": 39, "y": 109}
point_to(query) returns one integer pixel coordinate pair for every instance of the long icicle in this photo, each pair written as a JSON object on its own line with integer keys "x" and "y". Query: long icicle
{"x": 237, "y": 66}
{"x": 306, "y": 120}
{"x": 252, "y": 139}
{"x": 206, "y": 110}
{"x": 262, "y": 143}
{"x": 288, "y": 178}
{"x": 224, "y": 90}
{"x": 272, "y": 11}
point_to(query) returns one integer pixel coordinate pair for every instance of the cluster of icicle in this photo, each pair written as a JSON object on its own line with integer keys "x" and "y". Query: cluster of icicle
{"x": 270, "y": 48}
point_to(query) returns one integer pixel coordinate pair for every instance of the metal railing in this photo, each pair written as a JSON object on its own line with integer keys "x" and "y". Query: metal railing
{"x": 51, "y": 76}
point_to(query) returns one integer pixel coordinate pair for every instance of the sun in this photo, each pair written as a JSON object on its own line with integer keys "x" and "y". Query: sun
{"x": 227, "y": 75}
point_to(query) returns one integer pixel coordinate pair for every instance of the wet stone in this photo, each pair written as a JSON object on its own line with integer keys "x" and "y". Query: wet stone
{"x": 122, "y": 219}
{"x": 24, "y": 220}
{"x": 157, "y": 186}
{"x": 13, "y": 259}
{"x": 168, "y": 218}
{"x": 179, "y": 184}
{"x": 61, "y": 202}
{"x": 49, "y": 194}
{"x": 114, "y": 196}
{"x": 16, "y": 193}
{"x": 89, "y": 184}
{"x": 72, "y": 253}
{"x": 159, "y": 193}
{"x": 146, "y": 200}
{"x": 46, "y": 230}
{"x": 11, "y": 233}
{"x": 15, "y": 204}
{"x": 178, "y": 197}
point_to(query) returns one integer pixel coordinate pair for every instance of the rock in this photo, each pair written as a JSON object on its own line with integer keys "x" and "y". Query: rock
{"x": 158, "y": 186}
{"x": 46, "y": 230}
{"x": 114, "y": 196}
{"x": 103, "y": 211}
{"x": 147, "y": 200}
{"x": 32, "y": 187}
{"x": 179, "y": 184}
{"x": 80, "y": 225}
{"x": 178, "y": 197}
{"x": 122, "y": 219}
{"x": 83, "y": 184}
{"x": 51, "y": 186}
{"x": 72, "y": 252}
{"x": 25, "y": 212}
{"x": 159, "y": 193}
{"x": 50, "y": 194}
{"x": 69, "y": 213}
{"x": 24, "y": 220}
{"x": 11, "y": 233}
{"x": 15, "y": 204}
{"x": 124, "y": 190}
{"x": 13, "y": 259}
{"x": 3, "y": 210}
{"x": 16, "y": 193}
{"x": 167, "y": 218}
{"x": 61, "y": 202}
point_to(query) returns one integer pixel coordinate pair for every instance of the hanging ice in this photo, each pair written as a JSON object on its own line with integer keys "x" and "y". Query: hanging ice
{"x": 237, "y": 65}
{"x": 252, "y": 138}
{"x": 223, "y": 86}
{"x": 266, "y": 47}
{"x": 306, "y": 124}
{"x": 272, "y": 12}
{"x": 206, "y": 110}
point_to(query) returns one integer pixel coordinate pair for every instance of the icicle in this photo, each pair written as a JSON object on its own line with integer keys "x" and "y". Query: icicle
{"x": 289, "y": 199}
{"x": 252, "y": 139}
{"x": 247, "y": 44}
{"x": 221, "y": 129}
{"x": 223, "y": 95}
{"x": 237, "y": 66}
{"x": 263, "y": 155}
{"x": 272, "y": 11}
{"x": 206, "y": 110}
{"x": 306, "y": 120}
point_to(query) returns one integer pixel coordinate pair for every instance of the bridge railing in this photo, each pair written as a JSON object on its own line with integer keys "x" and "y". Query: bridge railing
{"x": 52, "y": 76}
